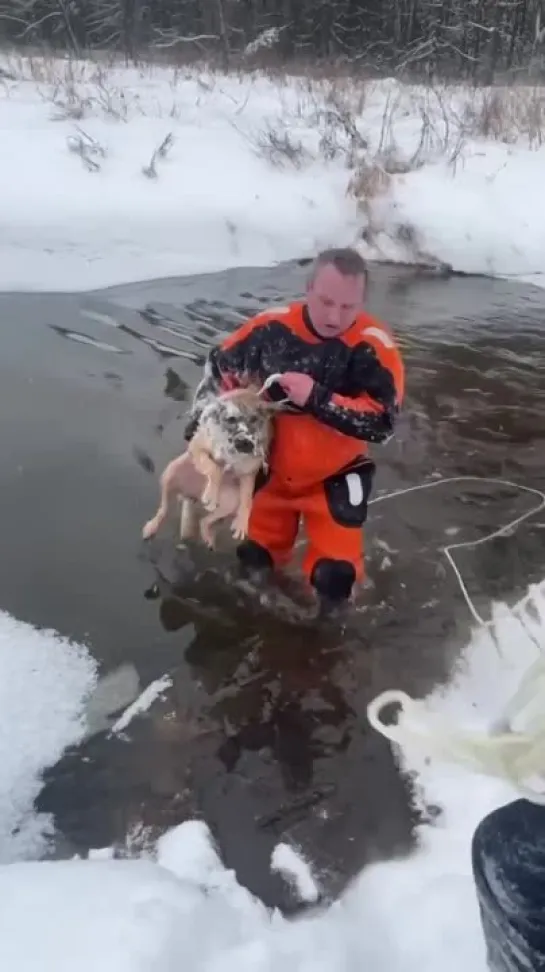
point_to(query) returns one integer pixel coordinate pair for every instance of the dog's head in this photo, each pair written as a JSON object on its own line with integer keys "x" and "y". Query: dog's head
{"x": 238, "y": 424}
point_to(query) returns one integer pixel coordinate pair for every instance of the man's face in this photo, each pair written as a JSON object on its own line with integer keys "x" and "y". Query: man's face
{"x": 334, "y": 300}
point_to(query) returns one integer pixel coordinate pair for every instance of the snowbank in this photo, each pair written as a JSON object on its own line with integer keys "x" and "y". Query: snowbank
{"x": 215, "y": 202}
{"x": 183, "y": 909}
{"x": 257, "y": 171}
{"x": 44, "y": 682}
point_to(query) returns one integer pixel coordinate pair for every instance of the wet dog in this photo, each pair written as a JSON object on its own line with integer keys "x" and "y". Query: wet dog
{"x": 219, "y": 468}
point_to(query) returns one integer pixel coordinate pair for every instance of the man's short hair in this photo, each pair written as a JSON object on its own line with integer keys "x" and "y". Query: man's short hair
{"x": 347, "y": 261}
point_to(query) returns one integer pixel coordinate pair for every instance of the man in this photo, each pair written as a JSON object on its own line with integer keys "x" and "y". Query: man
{"x": 344, "y": 377}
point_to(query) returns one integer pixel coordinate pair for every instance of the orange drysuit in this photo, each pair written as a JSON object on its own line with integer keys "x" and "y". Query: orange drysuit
{"x": 319, "y": 469}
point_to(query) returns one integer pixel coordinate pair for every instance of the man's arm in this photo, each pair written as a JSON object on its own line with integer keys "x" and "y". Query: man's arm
{"x": 368, "y": 415}
{"x": 360, "y": 418}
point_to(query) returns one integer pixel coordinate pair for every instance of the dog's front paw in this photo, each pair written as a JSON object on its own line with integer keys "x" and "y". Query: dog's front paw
{"x": 210, "y": 498}
{"x": 239, "y": 528}
{"x": 149, "y": 529}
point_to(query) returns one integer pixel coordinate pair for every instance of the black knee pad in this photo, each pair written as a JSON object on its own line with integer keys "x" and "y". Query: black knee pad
{"x": 253, "y": 556}
{"x": 333, "y": 579}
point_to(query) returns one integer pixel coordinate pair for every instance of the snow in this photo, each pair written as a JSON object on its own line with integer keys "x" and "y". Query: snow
{"x": 179, "y": 907}
{"x": 226, "y": 193}
{"x": 44, "y": 682}
{"x": 214, "y": 204}
{"x": 480, "y": 221}
{"x": 142, "y": 703}
{"x": 288, "y": 862}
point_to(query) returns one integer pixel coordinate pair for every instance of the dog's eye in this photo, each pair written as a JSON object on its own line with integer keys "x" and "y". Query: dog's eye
{"x": 231, "y": 420}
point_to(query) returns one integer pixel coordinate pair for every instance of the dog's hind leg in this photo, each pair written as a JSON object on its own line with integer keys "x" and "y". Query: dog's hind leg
{"x": 188, "y": 519}
{"x": 239, "y": 528}
{"x": 207, "y": 533}
{"x": 167, "y": 483}
{"x": 152, "y": 526}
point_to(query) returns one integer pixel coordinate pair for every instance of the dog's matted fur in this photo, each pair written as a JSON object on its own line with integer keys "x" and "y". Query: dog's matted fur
{"x": 219, "y": 468}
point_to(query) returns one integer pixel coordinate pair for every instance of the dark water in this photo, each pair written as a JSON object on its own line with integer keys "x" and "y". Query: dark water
{"x": 263, "y": 732}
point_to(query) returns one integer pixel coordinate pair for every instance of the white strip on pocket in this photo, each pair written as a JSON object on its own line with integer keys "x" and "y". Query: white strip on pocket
{"x": 355, "y": 489}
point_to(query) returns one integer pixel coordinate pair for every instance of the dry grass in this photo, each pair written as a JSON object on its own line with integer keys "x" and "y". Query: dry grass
{"x": 88, "y": 149}
{"x": 335, "y": 104}
{"x": 508, "y": 115}
{"x": 74, "y": 89}
{"x": 160, "y": 153}
{"x": 275, "y": 143}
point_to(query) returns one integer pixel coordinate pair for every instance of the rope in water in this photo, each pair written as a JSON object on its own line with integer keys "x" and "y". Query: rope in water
{"x": 517, "y": 756}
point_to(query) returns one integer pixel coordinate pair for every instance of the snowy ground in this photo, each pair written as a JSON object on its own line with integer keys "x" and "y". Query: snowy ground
{"x": 177, "y": 907}
{"x": 44, "y": 682}
{"x": 258, "y": 171}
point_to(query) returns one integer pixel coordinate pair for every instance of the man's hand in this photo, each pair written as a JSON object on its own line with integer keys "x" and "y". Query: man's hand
{"x": 298, "y": 387}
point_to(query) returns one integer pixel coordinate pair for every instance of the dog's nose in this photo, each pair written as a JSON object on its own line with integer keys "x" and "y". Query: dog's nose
{"x": 244, "y": 445}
